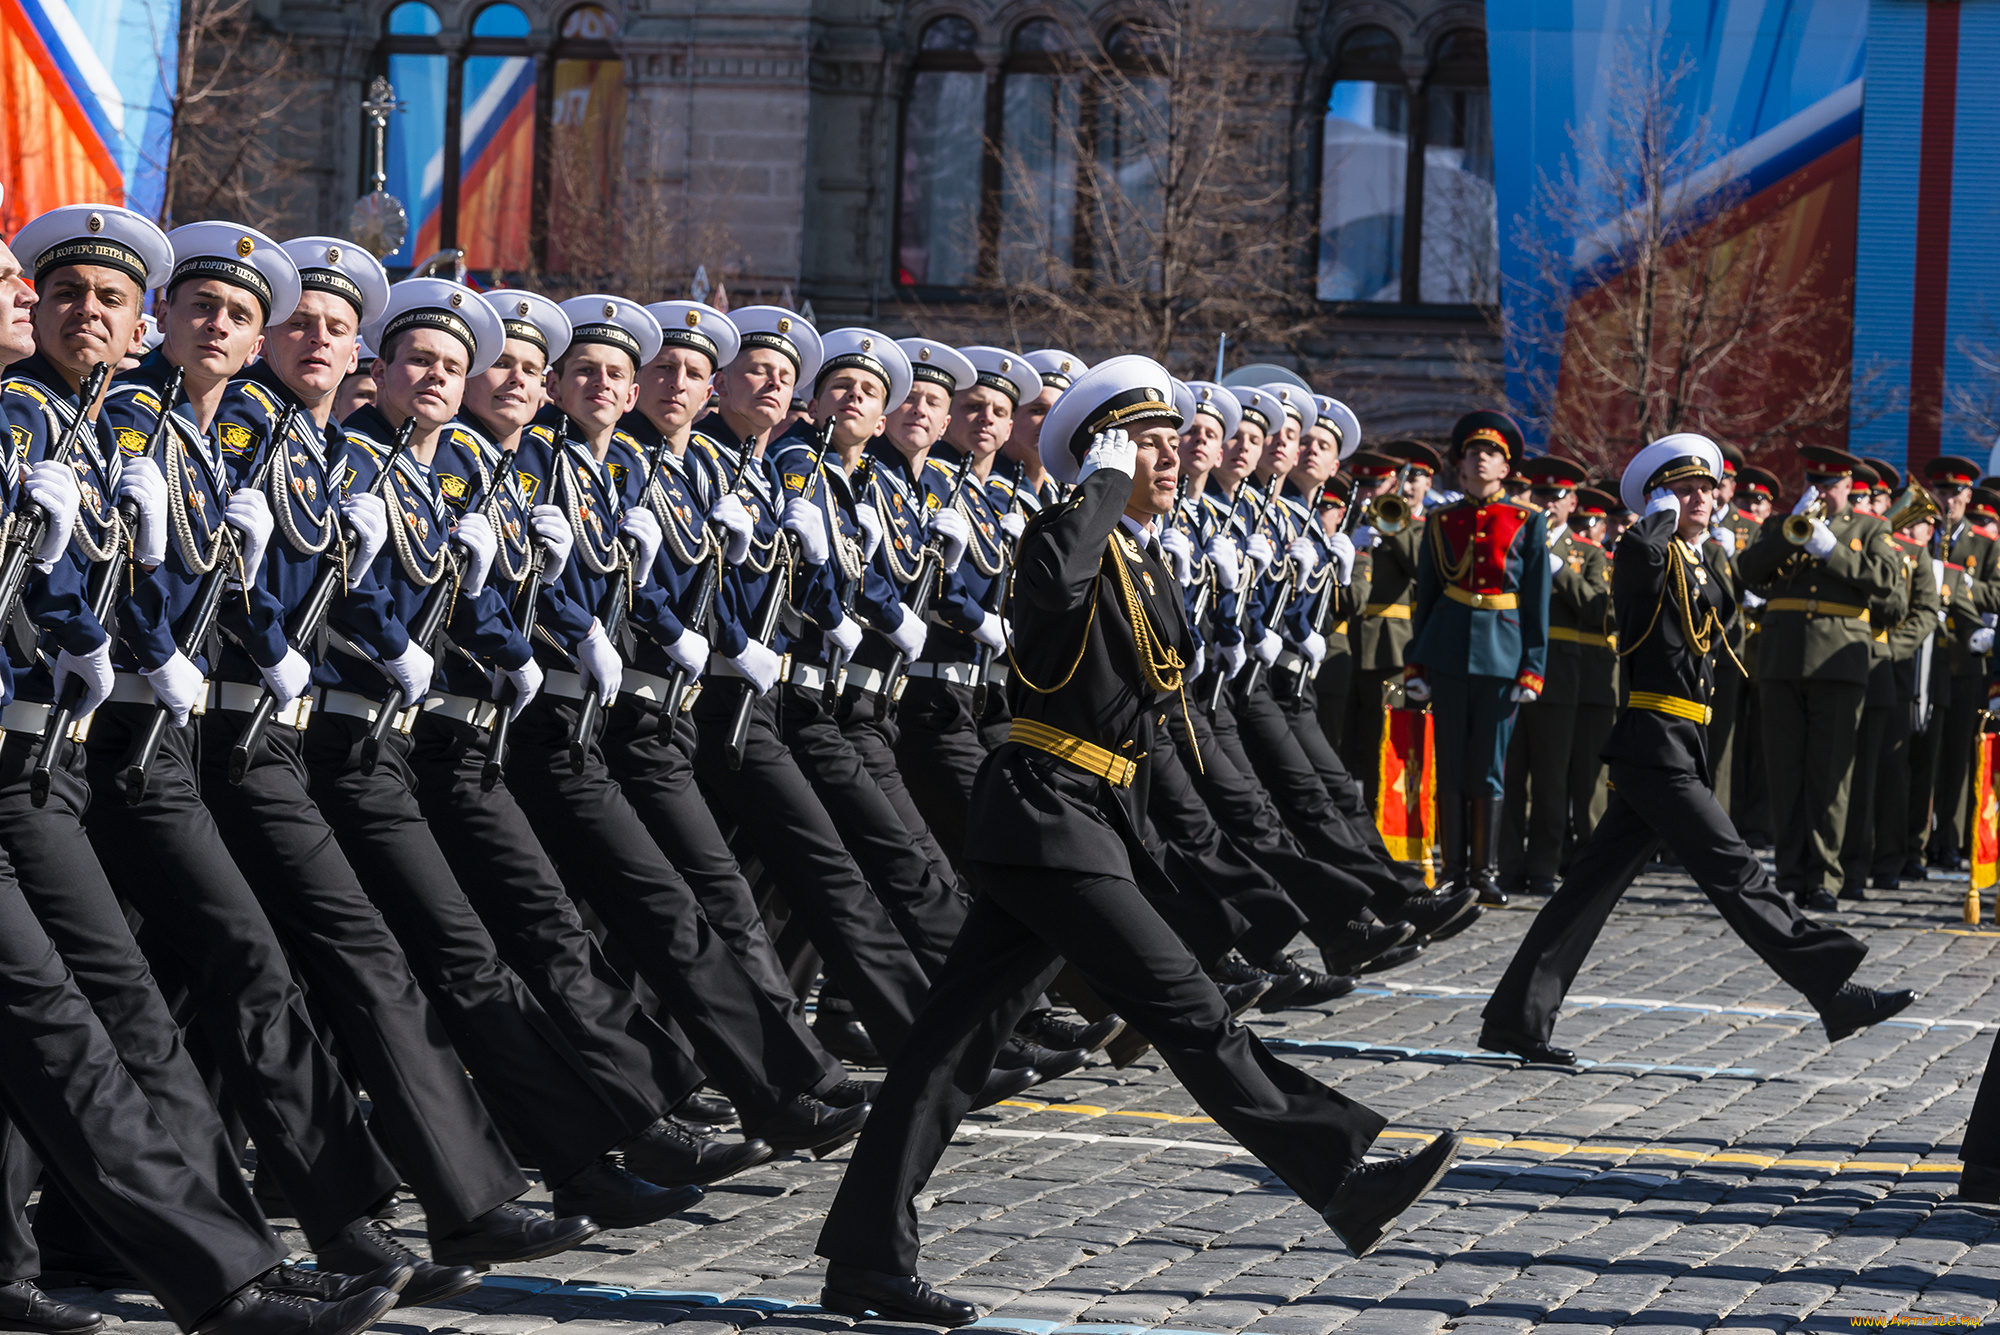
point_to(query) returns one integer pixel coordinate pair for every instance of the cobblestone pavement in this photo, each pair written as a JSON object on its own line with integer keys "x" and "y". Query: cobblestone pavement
{"x": 1719, "y": 1166}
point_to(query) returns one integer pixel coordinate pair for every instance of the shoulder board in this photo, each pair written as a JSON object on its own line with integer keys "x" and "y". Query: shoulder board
{"x": 542, "y": 432}
{"x": 1953, "y": 565}
{"x": 948, "y": 469}
{"x": 139, "y": 394}
{"x": 626, "y": 439}
{"x": 261, "y": 395}
{"x": 706, "y": 442}
{"x": 369, "y": 446}
{"x": 23, "y": 385}
{"x": 1523, "y": 505}
{"x": 1585, "y": 542}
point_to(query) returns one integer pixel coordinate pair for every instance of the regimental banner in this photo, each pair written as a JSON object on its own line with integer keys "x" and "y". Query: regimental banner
{"x": 1406, "y": 796}
{"x": 83, "y": 111}
{"x": 1986, "y": 822}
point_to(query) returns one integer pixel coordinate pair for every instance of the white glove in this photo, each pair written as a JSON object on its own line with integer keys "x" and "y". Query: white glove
{"x": 288, "y": 678}
{"x": 1555, "y": 564}
{"x": 1315, "y": 648}
{"x": 475, "y": 533}
{"x": 992, "y": 633}
{"x": 177, "y": 684}
{"x": 871, "y": 530}
{"x": 93, "y": 670}
{"x": 551, "y": 525}
{"x": 1981, "y": 641}
{"x": 1228, "y": 560}
{"x": 759, "y": 664}
{"x": 1200, "y": 661}
{"x": 808, "y": 521}
{"x": 846, "y": 635}
{"x": 1111, "y": 449}
{"x": 1230, "y": 658}
{"x": 1990, "y": 620}
{"x": 952, "y": 532}
{"x": 53, "y": 487}
{"x": 1524, "y": 695}
{"x": 599, "y": 664}
{"x": 1659, "y": 498}
{"x": 1013, "y": 524}
{"x": 1751, "y": 600}
{"x": 909, "y": 635}
{"x": 250, "y": 514}
{"x": 1341, "y": 548}
{"x": 737, "y": 526}
{"x": 1261, "y": 553}
{"x": 1179, "y": 549}
{"x": 1417, "y": 690}
{"x": 140, "y": 480}
{"x": 1364, "y": 537}
{"x": 411, "y": 670}
{"x": 527, "y": 681}
{"x": 369, "y": 518}
{"x": 643, "y": 527}
{"x": 690, "y": 651}
{"x": 1724, "y": 536}
{"x": 1810, "y": 495}
{"x": 1303, "y": 554}
{"x": 1268, "y": 647}
{"x": 1821, "y": 543}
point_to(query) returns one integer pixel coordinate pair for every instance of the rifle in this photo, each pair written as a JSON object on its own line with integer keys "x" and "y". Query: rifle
{"x": 503, "y": 723}
{"x": 109, "y": 577}
{"x": 986, "y": 653}
{"x": 864, "y": 475}
{"x": 31, "y": 521}
{"x": 307, "y": 620}
{"x": 1322, "y": 615}
{"x": 1279, "y": 601}
{"x": 199, "y": 621}
{"x": 773, "y": 606}
{"x": 922, "y": 587}
{"x": 423, "y": 628}
{"x": 704, "y": 589}
{"x": 1247, "y": 579}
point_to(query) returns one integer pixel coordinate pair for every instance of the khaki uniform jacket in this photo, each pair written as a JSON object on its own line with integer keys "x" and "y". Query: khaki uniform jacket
{"x": 1384, "y": 639}
{"x": 1815, "y": 622}
{"x": 1579, "y": 603}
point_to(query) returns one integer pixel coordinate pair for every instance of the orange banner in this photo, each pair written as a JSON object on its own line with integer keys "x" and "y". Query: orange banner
{"x": 1406, "y": 795}
{"x": 1986, "y": 822}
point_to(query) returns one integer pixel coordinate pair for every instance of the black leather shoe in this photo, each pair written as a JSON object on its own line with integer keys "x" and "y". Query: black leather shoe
{"x": 1048, "y": 1063}
{"x": 1914, "y": 870}
{"x": 1375, "y": 1193}
{"x": 1314, "y": 987}
{"x": 1978, "y": 1186}
{"x": 1819, "y": 901}
{"x": 850, "y": 1093}
{"x": 706, "y": 1108}
{"x": 25, "y": 1307}
{"x": 1854, "y": 890}
{"x": 1005, "y": 1083}
{"x": 852, "y": 1291}
{"x": 1490, "y": 893}
{"x": 1360, "y": 942}
{"x": 1127, "y": 1048}
{"x": 1393, "y": 959}
{"x": 1527, "y": 1049}
{"x": 669, "y": 1155}
{"x": 1885, "y": 883}
{"x": 1441, "y": 915}
{"x": 1240, "y": 997}
{"x": 507, "y": 1234}
{"x": 1052, "y": 1031}
{"x": 367, "y": 1248}
{"x": 327, "y": 1286}
{"x": 617, "y": 1198}
{"x": 807, "y": 1123}
{"x": 251, "y": 1311}
{"x": 1855, "y": 1007}
{"x": 845, "y": 1038}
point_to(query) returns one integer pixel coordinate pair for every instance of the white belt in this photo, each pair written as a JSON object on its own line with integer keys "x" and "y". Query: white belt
{"x": 462, "y": 709}
{"x": 563, "y": 685}
{"x": 718, "y": 666}
{"x": 997, "y": 674}
{"x": 241, "y": 697}
{"x": 1294, "y": 662}
{"x": 26, "y": 717}
{"x": 807, "y": 676}
{"x": 959, "y": 674}
{"x": 129, "y": 688}
{"x": 646, "y": 686}
{"x": 361, "y": 707}
{"x": 867, "y": 680}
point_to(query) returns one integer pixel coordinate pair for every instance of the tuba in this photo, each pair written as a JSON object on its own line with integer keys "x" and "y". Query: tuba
{"x": 1918, "y": 507}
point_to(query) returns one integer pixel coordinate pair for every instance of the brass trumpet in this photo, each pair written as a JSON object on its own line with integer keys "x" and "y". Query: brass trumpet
{"x": 1918, "y": 507}
{"x": 1389, "y": 514}
{"x": 1798, "y": 528}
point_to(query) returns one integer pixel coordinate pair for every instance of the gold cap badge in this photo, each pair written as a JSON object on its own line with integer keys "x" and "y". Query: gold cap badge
{"x": 244, "y": 246}
{"x": 95, "y": 222}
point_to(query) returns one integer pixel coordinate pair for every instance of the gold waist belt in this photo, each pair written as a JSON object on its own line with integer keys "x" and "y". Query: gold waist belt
{"x": 1672, "y": 704}
{"x": 1485, "y": 602}
{"x": 1815, "y": 606}
{"x": 1393, "y": 611}
{"x": 1113, "y": 769}
{"x": 1565, "y": 635}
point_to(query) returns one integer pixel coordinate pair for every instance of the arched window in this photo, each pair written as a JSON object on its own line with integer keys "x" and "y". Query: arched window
{"x": 1131, "y": 115}
{"x": 587, "y": 144}
{"x": 943, "y": 160}
{"x": 1407, "y": 208}
{"x": 1040, "y": 134}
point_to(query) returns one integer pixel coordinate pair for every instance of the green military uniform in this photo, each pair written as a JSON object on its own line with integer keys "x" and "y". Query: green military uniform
{"x": 1951, "y": 833}
{"x": 1812, "y": 666}
{"x": 1538, "y": 810}
{"x": 1950, "y": 655}
{"x": 1880, "y": 793}
{"x": 1599, "y": 688}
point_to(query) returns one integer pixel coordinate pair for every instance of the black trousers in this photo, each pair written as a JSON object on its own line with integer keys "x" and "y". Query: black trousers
{"x": 1857, "y": 840}
{"x": 1980, "y": 1143}
{"x": 780, "y": 815}
{"x": 1023, "y": 922}
{"x": 605, "y": 853}
{"x": 651, "y": 756}
{"x": 1648, "y": 807}
{"x": 64, "y": 886}
{"x": 939, "y": 750}
{"x": 167, "y": 858}
{"x": 1892, "y": 795}
{"x": 875, "y": 736}
{"x": 1362, "y": 738}
{"x": 425, "y": 1112}
{"x": 544, "y": 1094}
{"x": 1346, "y": 794}
{"x": 925, "y": 905}
{"x": 1924, "y": 752}
{"x": 75, "y": 1105}
{"x": 1953, "y": 792}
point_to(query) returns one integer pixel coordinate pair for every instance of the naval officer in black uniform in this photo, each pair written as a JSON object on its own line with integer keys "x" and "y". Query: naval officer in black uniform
{"x": 1099, "y": 657}
{"x": 1670, "y": 613}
